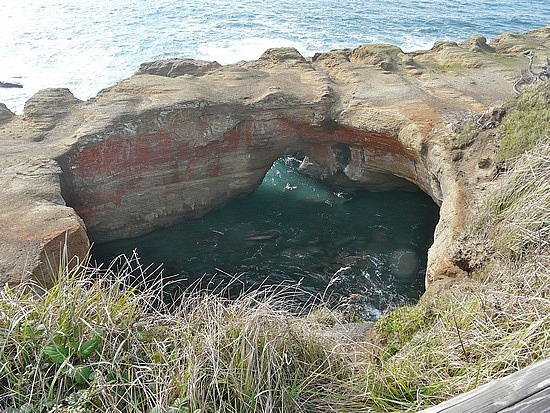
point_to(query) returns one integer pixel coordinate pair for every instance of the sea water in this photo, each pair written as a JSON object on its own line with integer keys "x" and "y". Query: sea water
{"x": 333, "y": 245}
{"x": 330, "y": 243}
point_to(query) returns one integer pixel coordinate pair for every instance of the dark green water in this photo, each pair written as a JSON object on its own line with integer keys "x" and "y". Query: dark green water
{"x": 294, "y": 229}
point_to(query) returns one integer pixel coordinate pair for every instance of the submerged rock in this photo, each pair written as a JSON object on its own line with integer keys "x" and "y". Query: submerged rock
{"x": 404, "y": 263}
{"x": 263, "y": 236}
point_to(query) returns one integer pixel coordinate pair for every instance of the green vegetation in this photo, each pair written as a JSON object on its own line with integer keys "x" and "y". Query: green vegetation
{"x": 93, "y": 343}
{"x": 527, "y": 121}
{"x": 466, "y": 136}
{"x": 465, "y": 131}
{"x": 398, "y": 327}
{"x": 518, "y": 213}
{"x": 452, "y": 68}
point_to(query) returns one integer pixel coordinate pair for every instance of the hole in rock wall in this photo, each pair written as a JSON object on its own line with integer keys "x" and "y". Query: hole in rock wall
{"x": 365, "y": 250}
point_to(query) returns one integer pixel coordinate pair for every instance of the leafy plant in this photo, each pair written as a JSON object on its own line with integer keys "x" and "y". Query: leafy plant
{"x": 71, "y": 357}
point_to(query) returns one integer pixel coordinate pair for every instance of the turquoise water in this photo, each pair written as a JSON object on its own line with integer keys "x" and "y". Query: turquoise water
{"x": 89, "y": 45}
{"x": 368, "y": 245}
{"x": 371, "y": 244}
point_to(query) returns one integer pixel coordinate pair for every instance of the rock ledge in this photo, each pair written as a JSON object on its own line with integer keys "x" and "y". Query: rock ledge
{"x": 182, "y": 137}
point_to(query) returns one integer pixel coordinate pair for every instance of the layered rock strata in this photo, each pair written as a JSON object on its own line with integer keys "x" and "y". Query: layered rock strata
{"x": 180, "y": 138}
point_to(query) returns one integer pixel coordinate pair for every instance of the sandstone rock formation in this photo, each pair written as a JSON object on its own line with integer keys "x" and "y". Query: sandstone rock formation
{"x": 180, "y": 138}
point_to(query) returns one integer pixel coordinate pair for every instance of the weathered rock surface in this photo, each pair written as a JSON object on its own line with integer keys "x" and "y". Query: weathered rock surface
{"x": 177, "y": 67}
{"x": 180, "y": 138}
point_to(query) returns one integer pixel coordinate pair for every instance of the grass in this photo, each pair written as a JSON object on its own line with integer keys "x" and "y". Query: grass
{"x": 92, "y": 345}
{"x": 453, "y": 68}
{"x": 464, "y": 133}
{"x": 518, "y": 213}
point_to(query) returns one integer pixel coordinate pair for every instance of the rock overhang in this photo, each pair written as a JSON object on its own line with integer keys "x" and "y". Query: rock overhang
{"x": 139, "y": 178}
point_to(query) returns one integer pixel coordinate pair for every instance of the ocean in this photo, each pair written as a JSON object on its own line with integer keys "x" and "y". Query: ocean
{"x": 330, "y": 243}
{"x": 366, "y": 251}
{"x": 87, "y": 45}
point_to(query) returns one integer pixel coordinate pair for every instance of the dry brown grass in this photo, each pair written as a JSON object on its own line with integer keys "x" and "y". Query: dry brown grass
{"x": 490, "y": 326}
{"x": 92, "y": 344}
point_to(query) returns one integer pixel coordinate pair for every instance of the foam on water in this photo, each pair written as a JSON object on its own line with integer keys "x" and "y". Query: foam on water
{"x": 231, "y": 51}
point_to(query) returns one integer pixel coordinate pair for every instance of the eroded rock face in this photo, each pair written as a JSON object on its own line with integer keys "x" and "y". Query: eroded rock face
{"x": 37, "y": 228}
{"x": 182, "y": 137}
{"x": 5, "y": 113}
{"x": 124, "y": 187}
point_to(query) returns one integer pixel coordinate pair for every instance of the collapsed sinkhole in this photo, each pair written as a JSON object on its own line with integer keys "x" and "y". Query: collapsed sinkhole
{"x": 363, "y": 250}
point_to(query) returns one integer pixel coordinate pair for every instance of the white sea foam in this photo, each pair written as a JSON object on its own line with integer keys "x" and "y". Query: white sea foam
{"x": 87, "y": 46}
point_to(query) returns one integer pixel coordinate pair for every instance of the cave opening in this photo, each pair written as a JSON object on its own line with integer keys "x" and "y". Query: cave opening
{"x": 365, "y": 247}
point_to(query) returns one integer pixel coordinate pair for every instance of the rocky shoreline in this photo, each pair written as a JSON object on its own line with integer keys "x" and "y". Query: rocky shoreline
{"x": 180, "y": 138}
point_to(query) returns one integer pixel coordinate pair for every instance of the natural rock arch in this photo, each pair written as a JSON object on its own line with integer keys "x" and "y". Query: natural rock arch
{"x": 161, "y": 167}
{"x": 124, "y": 186}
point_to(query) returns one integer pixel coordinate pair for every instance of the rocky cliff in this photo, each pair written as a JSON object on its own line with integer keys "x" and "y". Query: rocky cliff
{"x": 181, "y": 137}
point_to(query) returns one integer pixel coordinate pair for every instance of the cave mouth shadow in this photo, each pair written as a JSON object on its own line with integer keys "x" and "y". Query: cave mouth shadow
{"x": 362, "y": 251}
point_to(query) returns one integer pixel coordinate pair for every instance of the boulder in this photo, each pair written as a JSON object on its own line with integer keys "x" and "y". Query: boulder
{"x": 5, "y": 113}
{"x": 177, "y": 67}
